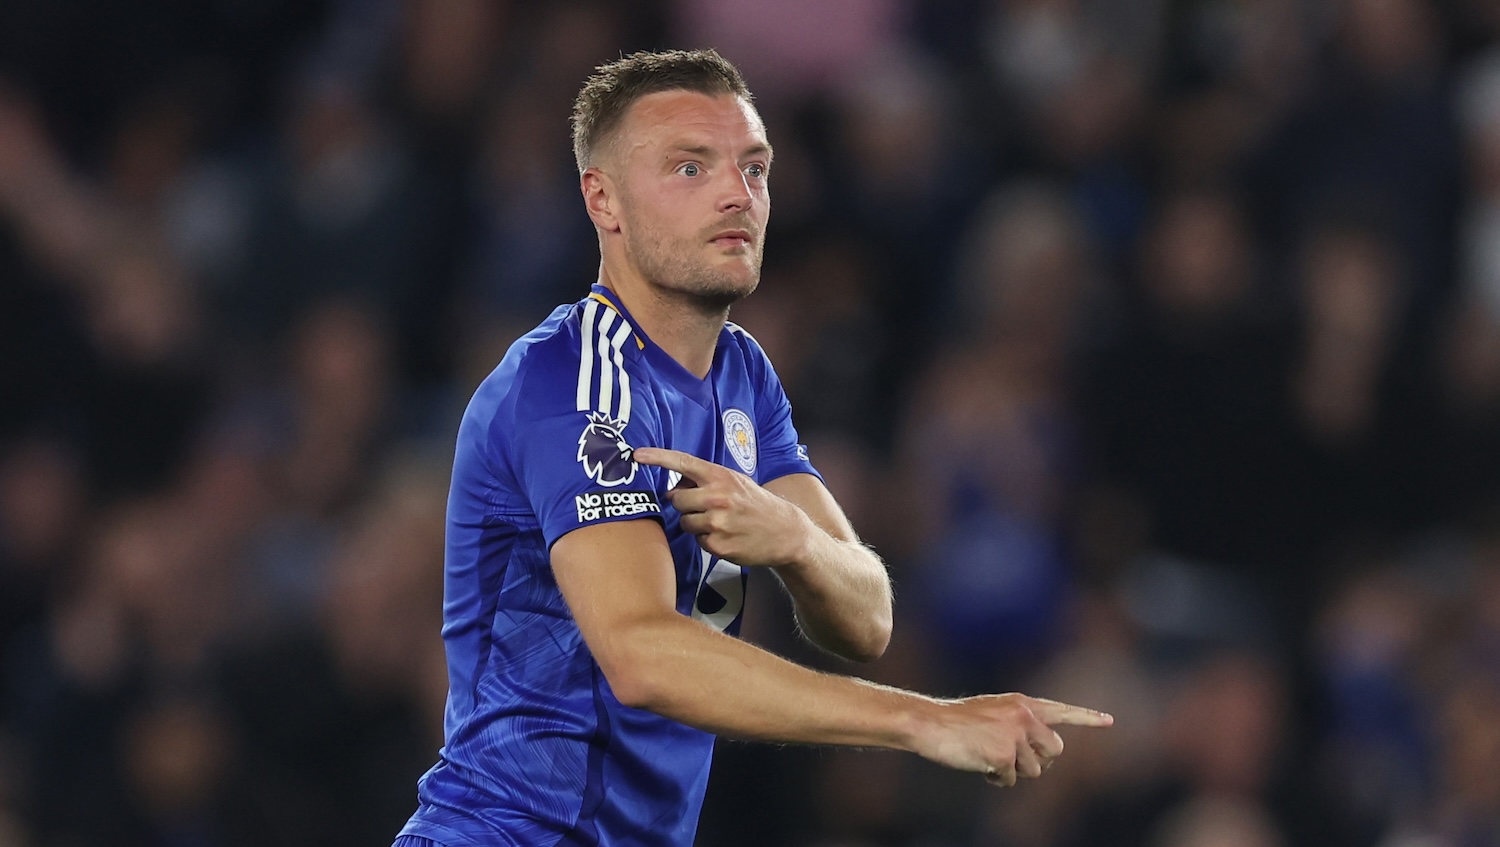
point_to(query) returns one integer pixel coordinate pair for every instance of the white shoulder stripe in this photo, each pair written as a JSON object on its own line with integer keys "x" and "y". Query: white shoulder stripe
{"x": 602, "y": 348}
{"x": 606, "y": 364}
{"x": 586, "y": 358}
{"x": 615, "y": 343}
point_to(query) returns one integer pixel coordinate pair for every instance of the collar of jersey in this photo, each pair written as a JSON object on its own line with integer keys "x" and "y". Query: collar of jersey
{"x": 662, "y": 363}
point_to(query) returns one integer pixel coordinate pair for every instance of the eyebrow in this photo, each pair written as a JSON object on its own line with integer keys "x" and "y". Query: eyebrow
{"x": 703, "y": 150}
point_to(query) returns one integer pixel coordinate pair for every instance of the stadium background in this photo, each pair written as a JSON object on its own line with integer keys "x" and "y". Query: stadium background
{"x": 1156, "y": 344}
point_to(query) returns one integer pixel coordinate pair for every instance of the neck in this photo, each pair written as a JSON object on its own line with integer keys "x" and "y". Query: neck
{"x": 685, "y": 327}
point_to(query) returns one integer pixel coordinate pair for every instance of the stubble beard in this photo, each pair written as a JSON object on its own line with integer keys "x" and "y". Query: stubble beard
{"x": 672, "y": 268}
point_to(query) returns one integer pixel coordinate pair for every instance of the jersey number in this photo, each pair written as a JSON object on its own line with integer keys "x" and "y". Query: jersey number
{"x": 721, "y": 593}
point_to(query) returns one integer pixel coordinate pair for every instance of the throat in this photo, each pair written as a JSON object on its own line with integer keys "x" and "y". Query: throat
{"x": 691, "y": 339}
{"x": 685, "y": 326}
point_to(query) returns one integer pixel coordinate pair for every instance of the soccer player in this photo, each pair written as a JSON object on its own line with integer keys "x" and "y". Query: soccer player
{"x": 615, "y": 478}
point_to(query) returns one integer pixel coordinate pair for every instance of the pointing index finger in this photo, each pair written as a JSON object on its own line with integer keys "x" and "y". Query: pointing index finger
{"x": 1052, "y": 713}
{"x": 690, "y": 466}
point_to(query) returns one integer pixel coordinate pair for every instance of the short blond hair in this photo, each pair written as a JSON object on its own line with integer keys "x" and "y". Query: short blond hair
{"x": 614, "y": 87}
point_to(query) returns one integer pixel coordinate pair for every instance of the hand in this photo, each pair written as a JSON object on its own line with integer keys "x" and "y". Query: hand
{"x": 733, "y": 517}
{"x": 1003, "y": 736}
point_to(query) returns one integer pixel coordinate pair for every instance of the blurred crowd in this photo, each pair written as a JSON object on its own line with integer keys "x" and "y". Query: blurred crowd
{"x": 1156, "y": 345}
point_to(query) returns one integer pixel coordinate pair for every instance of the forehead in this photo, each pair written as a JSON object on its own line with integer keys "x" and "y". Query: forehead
{"x": 668, "y": 118}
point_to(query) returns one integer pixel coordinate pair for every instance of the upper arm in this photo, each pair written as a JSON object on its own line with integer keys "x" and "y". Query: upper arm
{"x": 567, "y": 437}
{"x": 615, "y": 577}
{"x": 808, "y": 493}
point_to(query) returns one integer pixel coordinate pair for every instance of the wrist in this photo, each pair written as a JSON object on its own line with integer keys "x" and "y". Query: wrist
{"x": 915, "y": 723}
{"x": 800, "y": 541}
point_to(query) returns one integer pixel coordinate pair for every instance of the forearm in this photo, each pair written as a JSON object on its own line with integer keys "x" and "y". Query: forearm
{"x": 620, "y": 588}
{"x": 842, "y": 595}
{"x": 678, "y": 668}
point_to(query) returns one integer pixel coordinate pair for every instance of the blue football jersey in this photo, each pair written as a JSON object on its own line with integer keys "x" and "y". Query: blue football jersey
{"x": 537, "y": 749}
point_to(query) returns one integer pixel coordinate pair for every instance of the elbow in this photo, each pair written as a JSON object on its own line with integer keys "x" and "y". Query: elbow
{"x": 867, "y": 644}
{"x": 632, "y": 671}
{"x": 873, "y": 635}
{"x": 873, "y": 645}
{"x": 633, "y": 689}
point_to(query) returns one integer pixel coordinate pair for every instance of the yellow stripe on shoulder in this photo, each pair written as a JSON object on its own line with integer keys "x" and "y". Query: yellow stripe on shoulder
{"x": 594, "y": 295}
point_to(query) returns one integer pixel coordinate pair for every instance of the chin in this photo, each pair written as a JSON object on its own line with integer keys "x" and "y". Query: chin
{"x": 722, "y": 296}
{"x": 722, "y": 288}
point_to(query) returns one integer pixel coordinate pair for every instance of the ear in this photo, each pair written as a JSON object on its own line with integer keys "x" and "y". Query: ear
{"x": 600, "y": 198}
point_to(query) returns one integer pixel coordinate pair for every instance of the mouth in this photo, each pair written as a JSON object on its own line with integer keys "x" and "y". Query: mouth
{"x": 731, "y": 239}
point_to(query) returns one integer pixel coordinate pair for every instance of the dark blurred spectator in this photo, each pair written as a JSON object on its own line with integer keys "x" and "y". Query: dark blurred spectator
{"x": 1222, "y": 735}
{"x": 1376, "y": 132}
{"x": 1461, "y": 394}
{"x": 1375, "y": 761}
{"x": 1349, "y": 386}
{"x": 992, "y": 442}
{"x": 43, "y": 495}
{"x": 1229, "y": 74}
{"x": 1074, "y": 74}
{"x": 901, "y": 135}
{"x": 524, "y": 256}
{"x": 445, "y": 53}
{"x": 338, "y": 721}
{"x": 1182, "y": 401}
{"x": 132, "y": 387}
{"x": 141, "y": 620}
{"x": 327, "y": 425}
{"x": 342, "y": 211}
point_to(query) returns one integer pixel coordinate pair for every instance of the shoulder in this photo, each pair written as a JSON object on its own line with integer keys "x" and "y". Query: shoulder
{"x": 757, "y": 364}
{"x": 585, "y": 358}
{"x": 537, "y": 363}
{"x": 741, "y": 336}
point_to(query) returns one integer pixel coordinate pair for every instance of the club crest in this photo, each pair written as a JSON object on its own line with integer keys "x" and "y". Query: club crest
{"x": 739, "y": 437}
{"x": 602, "y": 451}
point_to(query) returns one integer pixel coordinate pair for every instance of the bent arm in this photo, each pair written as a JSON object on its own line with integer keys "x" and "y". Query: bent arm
{"x": 839, "y": 586}
{"x": 617, "y": 579}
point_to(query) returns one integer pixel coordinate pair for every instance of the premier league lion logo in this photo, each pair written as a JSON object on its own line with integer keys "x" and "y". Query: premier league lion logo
{"x": 602, "y": 450}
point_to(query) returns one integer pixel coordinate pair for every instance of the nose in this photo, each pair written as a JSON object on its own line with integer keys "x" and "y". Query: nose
{"x": 736, "y": 196}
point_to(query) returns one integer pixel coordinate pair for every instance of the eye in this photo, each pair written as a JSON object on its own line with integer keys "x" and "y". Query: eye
{"x": 755, "y": 170}
{"x": 689, "y": 169}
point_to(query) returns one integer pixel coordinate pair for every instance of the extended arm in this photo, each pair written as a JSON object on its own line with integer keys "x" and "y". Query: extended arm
{"x": 618, "y": 581}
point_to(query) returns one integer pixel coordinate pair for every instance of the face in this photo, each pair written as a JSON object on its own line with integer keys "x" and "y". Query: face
{"x": 691, "y": 171}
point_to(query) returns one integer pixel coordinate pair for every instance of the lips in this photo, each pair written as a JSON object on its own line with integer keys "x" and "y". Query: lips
{"x": 731, "y": 238}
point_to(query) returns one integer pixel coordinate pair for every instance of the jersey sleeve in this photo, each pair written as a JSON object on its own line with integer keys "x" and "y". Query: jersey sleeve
{"x": 780, "y": 451}
{"x": 575, "y": 466}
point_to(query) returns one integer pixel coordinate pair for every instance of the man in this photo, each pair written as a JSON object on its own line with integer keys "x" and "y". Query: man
{"x": 615, "y": 477}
